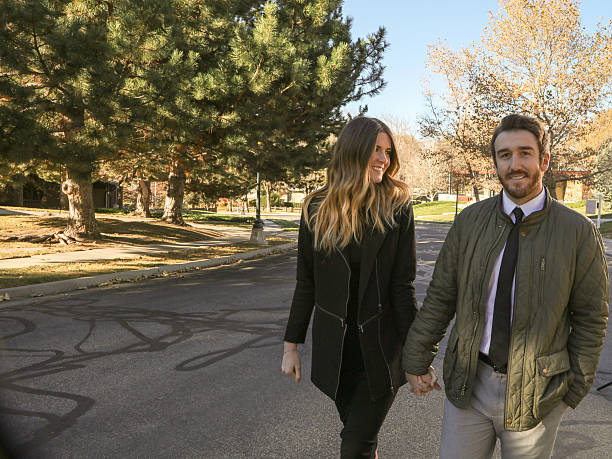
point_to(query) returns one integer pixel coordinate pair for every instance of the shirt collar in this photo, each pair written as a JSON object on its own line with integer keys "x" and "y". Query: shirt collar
{"x": 529, "y": 207}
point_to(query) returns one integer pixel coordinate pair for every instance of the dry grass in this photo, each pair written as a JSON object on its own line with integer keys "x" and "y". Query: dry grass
{"x": 19, "y": 225}
{"x": 115, "y": 232}
{"x": 28, "y": 249}
{"x": 154, "y": 232}
{"x": 61, "y": 271}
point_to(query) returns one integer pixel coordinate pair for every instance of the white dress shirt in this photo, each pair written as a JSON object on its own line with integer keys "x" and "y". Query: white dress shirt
{"x": 529, "y": 207}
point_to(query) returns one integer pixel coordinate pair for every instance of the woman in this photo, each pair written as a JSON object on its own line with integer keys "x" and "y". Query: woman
{"x": 356, "y": 266}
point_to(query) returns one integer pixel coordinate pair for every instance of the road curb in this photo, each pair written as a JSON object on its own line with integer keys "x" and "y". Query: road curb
{"x": 82, "y": 283}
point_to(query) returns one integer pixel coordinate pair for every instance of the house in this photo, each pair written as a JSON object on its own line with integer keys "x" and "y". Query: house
{"x": 32, "y": 192}
{"x": 39, "y": 193}
{"x": 107, "y": 195}
{"x": 570, "y": 186}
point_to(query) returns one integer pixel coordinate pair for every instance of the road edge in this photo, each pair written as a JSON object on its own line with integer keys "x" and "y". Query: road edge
{"x": 82, "y": 283}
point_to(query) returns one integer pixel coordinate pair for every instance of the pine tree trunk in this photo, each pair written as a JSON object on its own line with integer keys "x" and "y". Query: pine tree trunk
{"x": 143, "y": 199}
{"x": 267, "y": 188}
{"x": 81, "y": 217}
{"x": 173, "y": 208}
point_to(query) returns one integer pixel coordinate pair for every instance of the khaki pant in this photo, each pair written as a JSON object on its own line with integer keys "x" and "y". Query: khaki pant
{"x": 471, "y": 433}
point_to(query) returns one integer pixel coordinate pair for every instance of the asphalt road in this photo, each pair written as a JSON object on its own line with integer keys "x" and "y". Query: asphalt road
{"x": 190, "y": 367}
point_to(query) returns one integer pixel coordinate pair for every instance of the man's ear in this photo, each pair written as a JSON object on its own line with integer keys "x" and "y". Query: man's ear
{"x": 545, "y": 162}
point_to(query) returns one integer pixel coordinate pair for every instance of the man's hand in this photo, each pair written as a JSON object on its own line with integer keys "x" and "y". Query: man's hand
{"x": 422, "y": 384}
{"x": 291, "y": 362}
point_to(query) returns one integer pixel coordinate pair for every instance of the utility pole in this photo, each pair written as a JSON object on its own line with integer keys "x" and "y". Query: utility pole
{"x": 457, "y": 197}
{"x": 257, "y": 233}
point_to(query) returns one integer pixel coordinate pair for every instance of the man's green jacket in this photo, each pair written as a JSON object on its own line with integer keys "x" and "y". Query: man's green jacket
{"x": 560, "y": 308}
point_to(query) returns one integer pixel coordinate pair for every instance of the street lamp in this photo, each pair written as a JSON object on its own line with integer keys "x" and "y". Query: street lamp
{"x": 257, "y": 233}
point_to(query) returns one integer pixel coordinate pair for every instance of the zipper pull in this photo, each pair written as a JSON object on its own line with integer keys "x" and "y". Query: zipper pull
{"x": 342, "y": 322}
{"x": 542, "y": 264}
{"x": 360, "y": 327}
{"x": 463, "y": 389}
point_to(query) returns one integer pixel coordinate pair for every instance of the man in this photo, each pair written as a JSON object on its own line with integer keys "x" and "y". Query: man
{"x": 526, "y": 279}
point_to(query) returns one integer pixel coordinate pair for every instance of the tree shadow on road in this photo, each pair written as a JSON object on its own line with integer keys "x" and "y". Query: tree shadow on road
{"x": 40, "y": 414}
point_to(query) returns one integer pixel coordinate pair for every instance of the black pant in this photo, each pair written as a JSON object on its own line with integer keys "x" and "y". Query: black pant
{"x": 362, "y": 417}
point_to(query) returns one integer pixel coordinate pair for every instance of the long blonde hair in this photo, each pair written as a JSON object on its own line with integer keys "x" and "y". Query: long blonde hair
{"x": 351, "y": 203}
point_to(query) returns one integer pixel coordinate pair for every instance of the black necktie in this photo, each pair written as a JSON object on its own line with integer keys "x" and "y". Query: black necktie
{"x": 500, "y": 334}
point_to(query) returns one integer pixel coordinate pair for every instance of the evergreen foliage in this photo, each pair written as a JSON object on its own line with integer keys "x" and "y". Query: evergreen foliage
{"x": 208, "y": 92}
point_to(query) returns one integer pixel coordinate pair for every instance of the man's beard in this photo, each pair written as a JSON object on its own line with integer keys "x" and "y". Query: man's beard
{"x": 520, "y": 191}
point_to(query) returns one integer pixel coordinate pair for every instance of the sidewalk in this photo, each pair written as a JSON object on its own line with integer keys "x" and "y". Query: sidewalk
{"x": 232, "y": 234}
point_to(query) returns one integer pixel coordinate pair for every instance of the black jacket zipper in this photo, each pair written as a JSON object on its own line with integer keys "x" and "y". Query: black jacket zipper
{"x": 343, "y": 322}
{"x": 377, "y": 316}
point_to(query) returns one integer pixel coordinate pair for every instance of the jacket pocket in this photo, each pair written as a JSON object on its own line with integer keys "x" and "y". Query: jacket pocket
{"x": 328, "y": 330}
{"x": 326, "y": 324}
{"x": 450, "y": 361}
{"x": 551, "y": 382}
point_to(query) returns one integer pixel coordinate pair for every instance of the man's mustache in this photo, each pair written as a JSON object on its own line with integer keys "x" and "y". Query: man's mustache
{"x": 517, "y": 172}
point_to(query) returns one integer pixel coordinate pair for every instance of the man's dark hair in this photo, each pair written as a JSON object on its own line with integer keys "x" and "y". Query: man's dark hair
{"x": 514, "y": 122}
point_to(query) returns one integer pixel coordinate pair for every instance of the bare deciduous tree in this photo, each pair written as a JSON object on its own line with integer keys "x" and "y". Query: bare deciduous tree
{"x": 534, "y": 58}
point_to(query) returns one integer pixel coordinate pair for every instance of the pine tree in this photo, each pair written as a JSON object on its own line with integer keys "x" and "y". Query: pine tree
{"x": 221, "y": 83}
{"x": 264, "y": 90}
{"x": 304, "y": 68}
{"x": 64, "y": 68}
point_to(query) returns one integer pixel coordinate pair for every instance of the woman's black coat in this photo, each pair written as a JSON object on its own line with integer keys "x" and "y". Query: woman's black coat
{"x": 387, "y": 305}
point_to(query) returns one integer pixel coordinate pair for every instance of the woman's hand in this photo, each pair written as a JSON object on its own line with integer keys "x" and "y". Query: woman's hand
{"x": 429, "y": 380}
{"x": 291, "y": 361}
{"x": 422, "y": 384}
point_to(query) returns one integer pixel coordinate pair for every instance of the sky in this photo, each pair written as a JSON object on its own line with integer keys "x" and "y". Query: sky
{"x": 413, "y": 25}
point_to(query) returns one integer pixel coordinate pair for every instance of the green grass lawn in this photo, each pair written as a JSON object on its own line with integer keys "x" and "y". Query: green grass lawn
{"x": 437, "y": 211}
{"x": 580, "y": 206}
{"x": 286, "y": 224}
{"x": 231, "y": 220}
{"x": 434, "y": 208}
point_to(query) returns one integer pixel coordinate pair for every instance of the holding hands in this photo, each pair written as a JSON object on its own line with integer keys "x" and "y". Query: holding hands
{"x": 422, "y": 384}
{"x": 419, "y": 384}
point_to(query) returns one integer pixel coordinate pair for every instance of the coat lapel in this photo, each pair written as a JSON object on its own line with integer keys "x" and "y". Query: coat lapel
{"x": 372, "y": 242}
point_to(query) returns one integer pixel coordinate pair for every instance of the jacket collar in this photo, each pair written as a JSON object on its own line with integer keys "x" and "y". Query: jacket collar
{"x": 370, "y": 246}
{"x": 532, "y": 219}
{"x": 372, "y": 242}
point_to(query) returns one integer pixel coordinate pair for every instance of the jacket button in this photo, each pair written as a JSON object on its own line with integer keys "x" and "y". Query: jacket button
{"x": 545, "y": 370}
{"x": 508, "y": 421}
{"x": 523, "y": 233}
